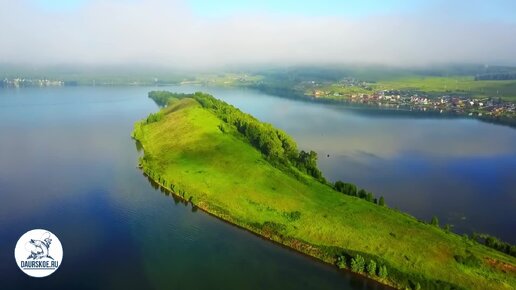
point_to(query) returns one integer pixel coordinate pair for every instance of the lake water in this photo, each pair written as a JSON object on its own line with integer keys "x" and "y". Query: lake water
{"x": 68, "y": 164}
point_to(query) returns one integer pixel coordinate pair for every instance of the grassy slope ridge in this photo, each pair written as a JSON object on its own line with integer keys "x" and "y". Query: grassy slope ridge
{"x": 221, "y": 173}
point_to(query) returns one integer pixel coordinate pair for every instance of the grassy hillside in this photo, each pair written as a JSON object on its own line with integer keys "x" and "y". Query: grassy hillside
{"x": 205, "y": 160}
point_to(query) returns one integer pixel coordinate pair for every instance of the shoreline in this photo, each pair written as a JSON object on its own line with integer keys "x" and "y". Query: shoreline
{"x": 315, "y": 235}
{"x": 277, "y": 242}
{"x": 293, "y": 95}
{"x": 403, "y": 109}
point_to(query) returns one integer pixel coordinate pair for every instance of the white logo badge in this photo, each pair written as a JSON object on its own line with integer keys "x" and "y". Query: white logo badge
{"x": 38, "y": 253}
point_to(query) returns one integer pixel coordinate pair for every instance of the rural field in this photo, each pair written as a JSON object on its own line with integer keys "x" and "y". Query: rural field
{"x": 505, "y": 89}
{"x": 431, "y": 86}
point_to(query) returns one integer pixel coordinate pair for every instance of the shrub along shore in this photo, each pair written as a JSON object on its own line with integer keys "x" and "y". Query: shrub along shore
{"x": 251, "y": 174}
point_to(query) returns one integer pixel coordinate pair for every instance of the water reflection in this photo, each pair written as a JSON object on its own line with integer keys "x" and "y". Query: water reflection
{"x": 68, "y": 164}
{"x": 462, "y": 170}
{"x": 354, "y": 281}
{"x": 177, "y": 199}
{"x": 138, "y": 145}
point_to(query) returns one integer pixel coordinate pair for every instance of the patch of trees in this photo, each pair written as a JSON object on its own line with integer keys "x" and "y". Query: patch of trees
{"x": 358, "y": 264}
{"x": 351, "y": 189}
{"x": 488, "y": 240}
{"x": 367, "y": 264}
{"x": 307, "y": 162}
{"x": 161, "y": 98}
{"x": 274, "y": 144}
{"x": 494, "y": 243}
{"x": 434, "y": 221}
{"x": 154, "y": 117}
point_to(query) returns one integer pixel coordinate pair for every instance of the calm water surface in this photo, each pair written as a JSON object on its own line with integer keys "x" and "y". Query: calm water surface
{"x": 461, "y": 170}
{"x": 67, "y": 164}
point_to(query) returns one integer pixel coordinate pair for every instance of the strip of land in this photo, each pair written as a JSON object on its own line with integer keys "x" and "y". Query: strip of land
{"x": 223, "y": 162}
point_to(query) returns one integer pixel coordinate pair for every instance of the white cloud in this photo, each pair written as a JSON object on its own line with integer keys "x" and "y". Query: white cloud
{"x": 168, "y": 33}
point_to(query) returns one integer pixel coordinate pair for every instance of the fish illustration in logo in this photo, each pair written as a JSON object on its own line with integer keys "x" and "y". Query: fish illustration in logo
{"x": 39, "y": 248}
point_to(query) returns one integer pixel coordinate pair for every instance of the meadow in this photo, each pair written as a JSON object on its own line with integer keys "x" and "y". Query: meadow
{"x": 431, "y": 86}
{"x": 193, "y": 153}
{"x": 460, "y": 85}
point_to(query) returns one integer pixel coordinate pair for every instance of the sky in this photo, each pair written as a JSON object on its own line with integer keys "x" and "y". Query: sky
{"x": 205, "y": 33}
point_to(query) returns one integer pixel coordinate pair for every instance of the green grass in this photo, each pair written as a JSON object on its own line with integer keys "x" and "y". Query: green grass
{"x": 221, "y": 173}
{"x": 434, "y": 86}
{"x": 226, "y": 79}
{"x": 453, "y": 85}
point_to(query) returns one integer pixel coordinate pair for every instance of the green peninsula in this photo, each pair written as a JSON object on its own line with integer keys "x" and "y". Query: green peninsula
{"x": 251, "y": 174}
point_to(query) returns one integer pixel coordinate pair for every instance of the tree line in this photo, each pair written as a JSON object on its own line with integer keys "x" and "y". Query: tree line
{"x": 278, "y": 147}
{"x": 494, "y": 243}
{"x": 485, "y": 239}
{"x": 154, "y": 117}
{"x": 358, "y": 264}
{"x": 161, "y": 98}
{"x": 281, "y": 149}
{"x": 352, "y": 190}
{"x": 274, "y": 144}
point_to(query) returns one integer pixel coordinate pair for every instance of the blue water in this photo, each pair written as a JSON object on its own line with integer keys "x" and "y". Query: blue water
{"x": 68, "y": 164}
{"x": 461, "y": 170}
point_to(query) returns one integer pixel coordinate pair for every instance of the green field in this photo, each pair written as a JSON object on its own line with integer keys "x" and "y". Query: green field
{"x": 454, "y": 85}
{"x": 195, "y": 154}
{"x": 437, "y": 86}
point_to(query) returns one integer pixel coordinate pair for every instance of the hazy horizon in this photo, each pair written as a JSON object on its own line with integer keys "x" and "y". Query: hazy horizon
{"x": 202, "y": 35}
